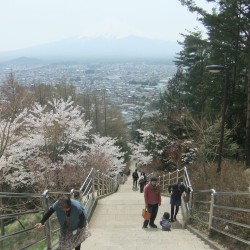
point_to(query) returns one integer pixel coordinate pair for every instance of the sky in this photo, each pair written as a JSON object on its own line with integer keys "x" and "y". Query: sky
{"x": 25, "y": 23}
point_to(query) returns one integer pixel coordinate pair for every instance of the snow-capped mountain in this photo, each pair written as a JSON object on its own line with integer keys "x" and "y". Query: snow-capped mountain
{"x": 110, "y": 47}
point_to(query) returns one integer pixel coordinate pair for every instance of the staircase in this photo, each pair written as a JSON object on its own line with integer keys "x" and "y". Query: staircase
{"x": 117, "y": 224}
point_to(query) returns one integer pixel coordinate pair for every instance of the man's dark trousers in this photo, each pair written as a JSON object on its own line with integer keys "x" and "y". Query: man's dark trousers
{"x": 153, "y": 210}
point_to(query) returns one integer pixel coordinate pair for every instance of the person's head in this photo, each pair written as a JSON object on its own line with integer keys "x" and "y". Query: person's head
{"x": 64, "y": 203}
{"x": 166, "y": 215}
{"x": 153, "y": 181}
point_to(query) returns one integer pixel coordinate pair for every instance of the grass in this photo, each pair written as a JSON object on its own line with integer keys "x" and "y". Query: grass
{"x": 21, "y": 240}
{"x": 234, "y": 177}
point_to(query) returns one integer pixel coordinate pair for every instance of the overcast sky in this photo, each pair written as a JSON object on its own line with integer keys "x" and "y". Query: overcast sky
{"x": 24, "y": 23}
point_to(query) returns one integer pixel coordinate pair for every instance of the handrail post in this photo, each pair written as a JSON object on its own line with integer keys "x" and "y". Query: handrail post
{"x": 163, "y": 183}
{"x": 108, "y": 185}
{"x": 103, "y": 184}
{"x": 191, "y": 201}
{"x": 47, "y": 225}
{"x": 107, "y": 182}
{"x": 213, "y": 192}
{"x": 93, "y": 183}
{"x": 1, "y": 223}
{"x": 98, "y": 182}
{"x": 184, "y": 176}
{"x": 115, "y": 182}
{"x": 72, "y": 194}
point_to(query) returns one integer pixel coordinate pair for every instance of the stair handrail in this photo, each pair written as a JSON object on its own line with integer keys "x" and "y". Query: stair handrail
{"x": 95, "y": 186}
{"x": 205, "y": 208}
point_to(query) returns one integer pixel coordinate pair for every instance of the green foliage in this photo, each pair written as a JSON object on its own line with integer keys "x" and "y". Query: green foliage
{"x": 195, "y": 90}
{"x": 18, "y": 241}
{"x": 172, "y": 98}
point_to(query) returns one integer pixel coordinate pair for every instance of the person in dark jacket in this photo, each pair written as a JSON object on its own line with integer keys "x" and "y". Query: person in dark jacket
{"x": 135, "y": 178}
{"x": 176, "y": 191}
{"x": 73, "y": 222}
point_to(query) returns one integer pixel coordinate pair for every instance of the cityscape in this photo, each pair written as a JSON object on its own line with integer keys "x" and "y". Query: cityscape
{"x": 128, "y": 85}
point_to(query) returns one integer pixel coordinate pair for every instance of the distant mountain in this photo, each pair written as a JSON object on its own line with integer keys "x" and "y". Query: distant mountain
{"x": 83, "y": 48}
{"x": 25, "y": 61}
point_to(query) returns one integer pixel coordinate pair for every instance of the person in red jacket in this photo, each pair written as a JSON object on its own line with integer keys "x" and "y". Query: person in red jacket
{"x": 152, "y": 197}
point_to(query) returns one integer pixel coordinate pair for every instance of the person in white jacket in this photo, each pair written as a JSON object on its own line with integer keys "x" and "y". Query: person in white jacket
{"x": 142, "y": 181}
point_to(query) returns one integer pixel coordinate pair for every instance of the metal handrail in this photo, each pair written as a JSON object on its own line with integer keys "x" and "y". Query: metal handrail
{"x": 233, "y": 222}
{"x": 205, "y": 204}
{"x": 7, "y": 216}
{"x": 26, "y": 195}
{"x": 217, "y": 220}
{"x": 95, "y": 185}
{"x": 16, "y": 233}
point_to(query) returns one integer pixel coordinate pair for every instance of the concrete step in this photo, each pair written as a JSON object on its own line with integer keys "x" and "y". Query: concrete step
{"x": 117, "y": 224}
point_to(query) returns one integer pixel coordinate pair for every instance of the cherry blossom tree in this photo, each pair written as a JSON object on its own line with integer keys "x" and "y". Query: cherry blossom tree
{"x": 48, "y": 140}
{"x": 62, "y": 126}
{"x": 11, "y": 131}
{"x": 103, "y": 154}
{"x": 165, "y": 151}
{"x": 140, "y": 154}
{"x": 55, "y": 134}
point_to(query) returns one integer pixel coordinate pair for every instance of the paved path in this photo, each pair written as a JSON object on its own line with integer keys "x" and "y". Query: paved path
{"x": 117, "y": 224}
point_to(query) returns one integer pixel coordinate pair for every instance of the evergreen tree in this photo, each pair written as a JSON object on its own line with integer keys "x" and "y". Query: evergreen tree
{"x": 228, "y": 28}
